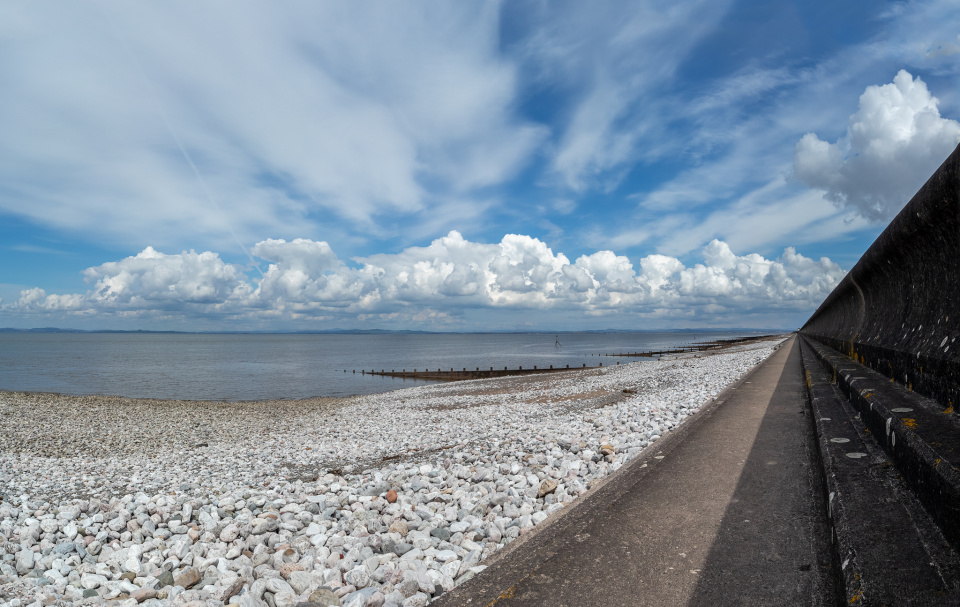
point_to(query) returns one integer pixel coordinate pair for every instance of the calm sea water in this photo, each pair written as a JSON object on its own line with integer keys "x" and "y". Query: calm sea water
{"x": 257, "y": 366}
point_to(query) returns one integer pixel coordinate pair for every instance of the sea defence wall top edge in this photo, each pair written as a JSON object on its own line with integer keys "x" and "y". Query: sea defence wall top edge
{"x": 898, "y": 309}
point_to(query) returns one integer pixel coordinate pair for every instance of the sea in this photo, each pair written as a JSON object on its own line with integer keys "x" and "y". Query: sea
{"x": 257, "y": 366}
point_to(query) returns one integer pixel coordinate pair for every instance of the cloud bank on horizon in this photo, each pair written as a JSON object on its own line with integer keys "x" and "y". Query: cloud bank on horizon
{"x": 443, "y": 282}
{"x": 702, "y": 163}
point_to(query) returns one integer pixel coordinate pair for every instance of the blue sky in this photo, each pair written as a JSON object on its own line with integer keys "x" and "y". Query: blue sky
{"x": 458, "y": 166}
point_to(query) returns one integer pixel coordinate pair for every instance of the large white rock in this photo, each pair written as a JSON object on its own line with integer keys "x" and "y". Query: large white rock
{"x": 229, "y": 533}
{"x": 49, "y": 525}
{"x": 91, "y": 581}
{"x": 117, "y": 524}
{"x": 451, "y": 568}
{"x": 25, "y": 560}
{"x": 357, "y": 576}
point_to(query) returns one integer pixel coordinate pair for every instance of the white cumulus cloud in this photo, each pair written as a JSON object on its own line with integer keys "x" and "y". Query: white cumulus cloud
{"x": 892, "y": 145}
{"x": 155, "y": 280}
{"x": 438, "y": 283}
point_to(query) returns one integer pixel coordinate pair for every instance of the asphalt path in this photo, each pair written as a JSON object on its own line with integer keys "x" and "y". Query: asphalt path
{"x": 726, "y": 510}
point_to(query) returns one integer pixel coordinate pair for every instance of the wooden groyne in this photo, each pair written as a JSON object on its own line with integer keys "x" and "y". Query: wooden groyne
{"x": 653, "y": 353}
{"x": 477, "y": 373}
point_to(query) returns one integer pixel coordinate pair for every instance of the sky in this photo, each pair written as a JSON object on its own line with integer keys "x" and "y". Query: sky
{"x": 458, "y": 166}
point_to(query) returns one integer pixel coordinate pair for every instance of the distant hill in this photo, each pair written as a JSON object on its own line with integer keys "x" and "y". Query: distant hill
{"x": 389, "y": 331}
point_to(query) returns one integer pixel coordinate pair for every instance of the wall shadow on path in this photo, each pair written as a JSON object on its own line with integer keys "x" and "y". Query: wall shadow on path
{"x": 772, "y": 547}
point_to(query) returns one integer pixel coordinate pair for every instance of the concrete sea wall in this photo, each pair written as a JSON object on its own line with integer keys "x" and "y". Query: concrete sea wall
{"x": 890, "y": 450}
{"x": 898, "y": 310}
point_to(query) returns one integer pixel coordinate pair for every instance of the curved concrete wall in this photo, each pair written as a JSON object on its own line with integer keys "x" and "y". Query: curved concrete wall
{"x": 898, "y": 310}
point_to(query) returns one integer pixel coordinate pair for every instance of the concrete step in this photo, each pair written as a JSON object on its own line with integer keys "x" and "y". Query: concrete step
{"x": 919, "y": 435}
{"x": 889, "y": 549}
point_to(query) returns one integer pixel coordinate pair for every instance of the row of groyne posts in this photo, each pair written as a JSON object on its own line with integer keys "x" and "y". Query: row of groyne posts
{"x": 881, "y": 362}
{"x": 477, "y": 373}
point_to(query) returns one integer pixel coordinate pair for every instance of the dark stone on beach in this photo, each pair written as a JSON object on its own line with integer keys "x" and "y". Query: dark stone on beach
{"x": 188, "y": 578}
{"x": 391, "y": 496}
{"x": 233, "y": 590}
{"x": 129, "y": 576}
{"x": 165, "y": 579}
{"x": 440, "y": 532}
{"x": 402, "y": 548}
{"x": 90, "y": 593}
{"x": 64, "y": 548}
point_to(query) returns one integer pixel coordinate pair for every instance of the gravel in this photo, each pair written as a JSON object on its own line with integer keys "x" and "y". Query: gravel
{"x": 388, "y": 499}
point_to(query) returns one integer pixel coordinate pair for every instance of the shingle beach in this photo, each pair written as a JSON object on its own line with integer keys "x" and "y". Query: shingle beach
{"x": 389, "y": 499}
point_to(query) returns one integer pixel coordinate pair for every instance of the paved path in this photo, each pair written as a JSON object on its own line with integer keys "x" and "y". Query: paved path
{"x": 732, "y": 514}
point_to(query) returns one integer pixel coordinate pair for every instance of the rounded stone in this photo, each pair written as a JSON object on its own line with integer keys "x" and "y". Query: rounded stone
{"x": 324, "y": 597}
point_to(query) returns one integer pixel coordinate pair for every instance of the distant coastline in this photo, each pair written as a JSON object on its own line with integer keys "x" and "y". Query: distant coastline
{"x": 396, "y": 332}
